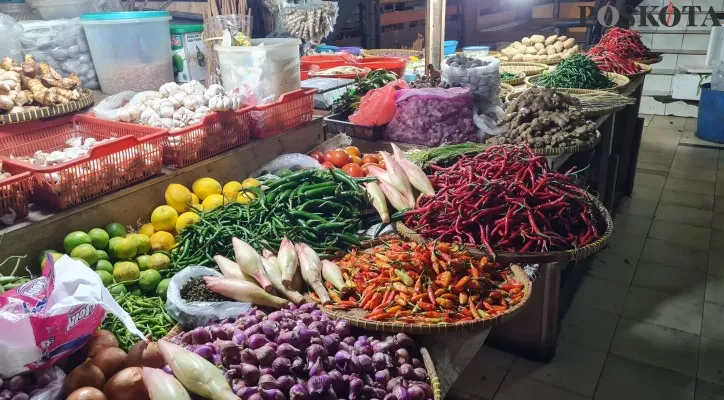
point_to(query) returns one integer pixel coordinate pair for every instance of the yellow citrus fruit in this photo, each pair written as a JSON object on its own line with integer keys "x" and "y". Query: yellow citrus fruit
{"x": 245, "y": 197}
{"x": 125, "y": 248}
{"x": 250, "y": 182}
{"x": 164, "y": 218}
{"x": 198, "y": 207}
{"x": 162, "y": 241}
{"x": 213, "y": 201}
{"x": 205, "y": 187}
{"x": 146, "y": 229}
{"x": 231, "y": 189}
{"x": 185, "y": 219}
{"x": 195, "y": 199}
{"x": 178, "y": 197}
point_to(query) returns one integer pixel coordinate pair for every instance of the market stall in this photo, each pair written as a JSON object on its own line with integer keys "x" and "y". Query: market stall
{"x": 218, "y": 239}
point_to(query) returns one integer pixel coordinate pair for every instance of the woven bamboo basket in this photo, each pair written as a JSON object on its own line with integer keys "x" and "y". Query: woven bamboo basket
{"x": 544, "y": 257}
{"x": 654, "y": 59}
{"x": 529, "y": 68}
{"x": 424, "y": 356}
{"x": 620, "y": 82}
{"x": 644, "y": 69}
{"x": 403, "y": 53}
{"x": 557, "y": 151}
{"x": 588, "y": 112}
{"x": 85, "y": 100}
{"x": 520, "y": 78}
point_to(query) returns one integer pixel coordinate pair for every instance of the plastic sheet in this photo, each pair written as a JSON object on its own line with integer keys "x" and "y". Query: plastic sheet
{"x": 198, "y": 313}
{"x": 10, "y": 31}
{"x": 108, "y": 108}
{"x": 295, "y": 161}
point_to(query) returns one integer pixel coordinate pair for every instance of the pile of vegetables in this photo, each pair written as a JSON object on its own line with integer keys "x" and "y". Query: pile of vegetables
{"x": 577, "y": 72}
{"x": 148, "y": 313}
{"x": 22, "y": 387}
{"x": 426, "y": 284}
{"x": 507, "y": 199}
{"x": 505, "y": 75}
{"x": 299, "y": 354}
{"x": 551, "y": 49}
{"x": 544, "y": 118}
{"x": 349, "y": 100}
{"x": 624, "y": 43}
{"x": 608, "y": 61}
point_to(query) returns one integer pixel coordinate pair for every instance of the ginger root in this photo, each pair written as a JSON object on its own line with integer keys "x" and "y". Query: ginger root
{"x": 29, "y": 67}
{"x": 8, "y": 64}
{"x": 52, "y": 78}
{"x": 9, "y": 80}
{"x": 41, "y": 94}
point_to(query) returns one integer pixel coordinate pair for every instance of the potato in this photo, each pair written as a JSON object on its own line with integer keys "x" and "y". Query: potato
{"x": 518, "y": 44}
{"x": 569, "y": 43}
{"x": 518, "y": 57}
{"x": 537, "y": 39}
{"x": 541, "y": 52}
{"x": 574, "y": 49}
{"x": 526, "y": 41}
{"x": 551, "y": 39}
{"x": 550, "y": 50}
{"x": 528, "y": 57}
{"x": 565, "y": 55}
{"x": 504, "y": 58}
{"x": 562, "y": 38}
{"x": 559, "y": 47}
{"x": 530, "y": 50}
{"x": 539, "y": 46}
{"x": 554, "y": 58}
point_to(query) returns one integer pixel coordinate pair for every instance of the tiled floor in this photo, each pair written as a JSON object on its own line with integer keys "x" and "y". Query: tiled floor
{"x": 647, "y": 321}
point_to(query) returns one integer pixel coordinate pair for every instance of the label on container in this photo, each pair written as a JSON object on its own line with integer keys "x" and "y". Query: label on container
{"x": 188, "y": 59}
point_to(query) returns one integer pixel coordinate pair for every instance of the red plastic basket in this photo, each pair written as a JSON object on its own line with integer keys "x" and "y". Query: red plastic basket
{"x": 393, "y": 64}
{"x": 292, "y": 109}
{"x": 133, "y": 155}
{"x": 15, "y": 192}
{"x": 217, "y": 132}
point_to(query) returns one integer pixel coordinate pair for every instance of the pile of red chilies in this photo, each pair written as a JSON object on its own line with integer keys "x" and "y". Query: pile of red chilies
{"x": 610, "y": 62}
{"x": 625, "y": 43}
{"x": 506, "y": 199}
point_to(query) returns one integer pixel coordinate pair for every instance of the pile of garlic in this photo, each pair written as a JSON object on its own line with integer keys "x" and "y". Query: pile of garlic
{"x": 3, "y": 174}
{"x": 175, "y": 106}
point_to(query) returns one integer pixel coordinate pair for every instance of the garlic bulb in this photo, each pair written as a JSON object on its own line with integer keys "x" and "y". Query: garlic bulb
{"x": 123, "y": 115}
{"x": 194, "y": 101}
{"x": 213, "y": 90}
{"x": 166, "y": 109}
{"x": 148, "y": 114}
{"x": 167, "y": 89}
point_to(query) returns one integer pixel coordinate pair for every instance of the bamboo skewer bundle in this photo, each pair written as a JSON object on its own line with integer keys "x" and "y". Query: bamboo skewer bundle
{"x": 220, "y": 15}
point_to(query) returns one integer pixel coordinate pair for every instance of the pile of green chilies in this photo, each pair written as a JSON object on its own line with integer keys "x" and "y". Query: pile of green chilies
{"x": 149, "y": 315}
{"x": 505, "y": 75}
{"x": 575, "y": 72}
{"x": 317, "y": 207}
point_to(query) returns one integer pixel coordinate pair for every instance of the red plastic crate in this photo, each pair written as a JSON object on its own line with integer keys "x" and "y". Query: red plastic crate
{"x": 292, "y": 109}
{"x": 217, "y": 132}
{"x": 135, "y": 154}
{"x": 15, "y": 192}
{"x": 392, "y": 64}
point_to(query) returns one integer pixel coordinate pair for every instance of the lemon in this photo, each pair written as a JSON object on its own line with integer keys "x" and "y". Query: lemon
{"x": 213, "y": 201}
{"x": 148, "y": 281}
{"x": 162, "y": 241}
{"x": 245, "y": 197}
{"x": 250, "y": 182}
{"x": 198, "y": 207}
{"x": 195, "y": 199}
{"x": 142, "y": 242}
{"x": 125, "y": 248}
{"x": 116, "y": 229}
{"x": 85, "y": 252}
{"x": 75, "y": 239}
{"x": 205, "y": 187}
{"x": 159, "y": 262}
{"x": 99, "y": 238}
{"x": 187, "y": 218}
{"x": 178, "y": 197}
{"x": 231, "y": 189}
{"x": 164, "y": 218}
{"x": 146, "y": 229}
{"x": 124, "y": 271}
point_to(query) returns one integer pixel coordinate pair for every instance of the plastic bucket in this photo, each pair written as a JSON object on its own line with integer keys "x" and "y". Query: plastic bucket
{"x": 269, "y": 67}
{"x": 57, "y": 9}
{"x": 131, "y": 50}
{"x": 449, "y": 47}
{"x": 711, "y": 115}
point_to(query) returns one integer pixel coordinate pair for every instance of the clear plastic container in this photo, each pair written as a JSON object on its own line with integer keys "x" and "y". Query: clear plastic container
{"x": 131, "y": 50}
{"x": 18, "y": 9}
{"x": 269, "y": 67}
{"x": 57, "y": 9}
{"x": 476, "y": 51}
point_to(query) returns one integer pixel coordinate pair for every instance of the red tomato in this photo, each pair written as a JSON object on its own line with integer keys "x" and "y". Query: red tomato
{"x": 327, "y": 165}
{"x": 365, "y": 168}
{"x": 355, "y": 159}
{"x": 339, "y": 158}
{"x": 352, "y": 151}
{"x": 369, "y": 159}
{"x": 353, "y": 170}
{"x": 317, "y": 156}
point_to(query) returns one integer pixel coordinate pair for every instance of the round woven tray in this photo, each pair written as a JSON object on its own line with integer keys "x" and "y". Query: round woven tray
{"x": 505, "y": 89}
{"x": 588, "y": 112}
{"x": 86, "y": 100}
{"x": 515, "y": 81}
{"x": 534, "y": 258}
{"x": 424, "y": 355}
{"x": 529, "y": 68}
{"x": 620, "y": 82}
{"x": 403, "y": 53}
{"x": 356, "y": 316}
{"x": 653, "y": 60}
{"x": 557, "y": 151}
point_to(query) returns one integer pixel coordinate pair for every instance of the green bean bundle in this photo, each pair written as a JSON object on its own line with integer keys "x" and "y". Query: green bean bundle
{"x": 575, "y": 72}
{"x": 317, "y": 207}
{"x": 149, "y": 315}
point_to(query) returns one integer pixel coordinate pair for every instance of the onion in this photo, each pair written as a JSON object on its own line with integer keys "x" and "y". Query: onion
{"x": 145, "y": 354}
{"x": 110, "y": 360}
{"x": 250, "y": 373}
{"x": 127, "y": 384}
{"x": 286, "y": 382}
{"x": 201, "y": 336}
{"x": 265, "y": 355}
{"x": 16, "y": 383}
{"x": 85, "y": 374}
{"x": 298, "y": 392}
{"x": 87, "y": 393}
{"x": 257, "y": 340}
{"x": 287, "y": 350}
{"x": 204, "y": 351}
{"x": 281, "y": 366}
{"x": 100, "y": 339}
{"x": 20, "y": 396}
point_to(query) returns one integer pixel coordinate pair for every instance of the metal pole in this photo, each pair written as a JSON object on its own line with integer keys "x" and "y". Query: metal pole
{"x": 434, "y": 32}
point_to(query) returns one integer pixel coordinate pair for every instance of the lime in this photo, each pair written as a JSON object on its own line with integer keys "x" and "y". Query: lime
{"x": 142, "y": 242}
{"x": 283, "y": 172}
{"x": 159, "y": 262}
{"x": 142, "y": 262}
{"x": 136, "y": 291}
{"x": 124, "y": 271}
{"x": 117, "y": 289}
{"x": 125, "y": 248}
{"x": 106, "y": 278}
{"x": 148, "y": 280}
{"x": 102, "y": 254}
{"x": 116, "y": 230}
{"x": 85, "y": 252}
{"x": 75, "y": 239}
{"x": 41, "y": 256}
{"x": 104, "y": 265}
{"x": 99, "y": 237}
{"x": 81, "y": 260}
{"x": 162, "y": 288}
{"x": 55, "y": 256}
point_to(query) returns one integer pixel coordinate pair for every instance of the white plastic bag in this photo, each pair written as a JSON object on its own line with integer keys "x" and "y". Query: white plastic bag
{"x": 198, "y": 313}
{"x": 483, "y": 81}
{"x": 10, "y": 31}
{"x": 108, "y": 108}
{"x": 295, "y": 161}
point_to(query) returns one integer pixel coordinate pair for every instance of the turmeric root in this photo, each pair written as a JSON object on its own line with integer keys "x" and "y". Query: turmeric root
{"x": 52, "y": 78}
{"x": 29, "y": 67}
{"x": 41, "y": 94}
{"x": 8, "y": 64}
